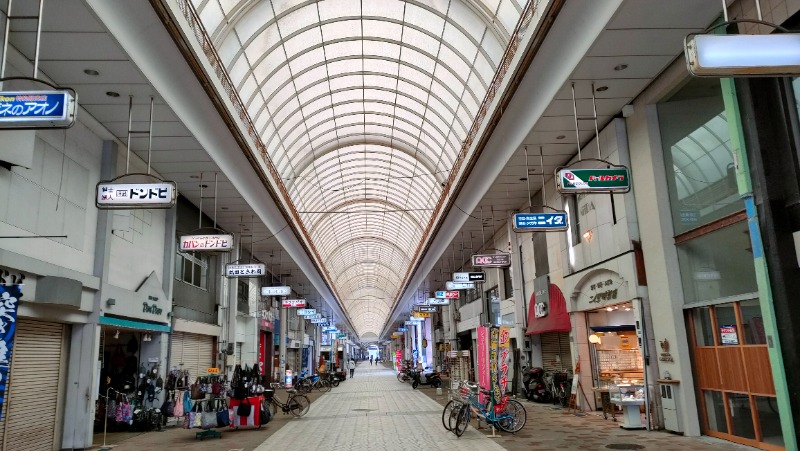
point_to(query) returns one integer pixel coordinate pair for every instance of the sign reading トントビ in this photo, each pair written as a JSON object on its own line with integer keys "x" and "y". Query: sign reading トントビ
{"x": 206, "y": 243}
{"x": 602, "y": 180}
{"x": 491, "y": 260}
{"x": 37, "y": 109}
{"x": 135, "y": 195}
{"x": 9, "y": 301}
{"x": 296, "y": 303}
{"x": 248, "y": 270}
{"x": 540, "y": 222}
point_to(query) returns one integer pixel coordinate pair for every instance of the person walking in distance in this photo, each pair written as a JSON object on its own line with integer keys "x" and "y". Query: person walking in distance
{"x": 352, "y": 366}
{"x": 370, "y": 360}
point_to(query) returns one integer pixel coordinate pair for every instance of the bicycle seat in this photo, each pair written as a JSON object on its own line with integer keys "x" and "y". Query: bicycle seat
{"x": 291, "y": 390}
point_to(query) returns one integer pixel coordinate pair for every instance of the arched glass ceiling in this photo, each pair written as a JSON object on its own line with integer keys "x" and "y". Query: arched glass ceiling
{"x": 363, "y": 106}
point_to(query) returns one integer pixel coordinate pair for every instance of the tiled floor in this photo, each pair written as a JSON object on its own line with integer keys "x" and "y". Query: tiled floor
{"x": 372, "y": 411}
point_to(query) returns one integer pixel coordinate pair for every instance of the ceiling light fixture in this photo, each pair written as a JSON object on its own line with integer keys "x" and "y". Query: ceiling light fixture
{"x": 91, "y": 72}
{"x": 522, "y": 179}
{"x": 194, "y": 176}
{"x": 560, "y": 137}
{"x": 203, "y": 186}
{"x": 609, "y": 309}
{"x": 620, "y": 67}
{"x": 112, "y": 94}
{"x": 601, "y": 88}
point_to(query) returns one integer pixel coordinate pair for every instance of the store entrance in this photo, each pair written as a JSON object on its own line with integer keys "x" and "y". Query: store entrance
{"x": 736, "y": 397}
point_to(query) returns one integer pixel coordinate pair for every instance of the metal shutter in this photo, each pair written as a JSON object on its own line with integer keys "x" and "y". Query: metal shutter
{"x": 556, "y": 354}
{"x": 35, "y": 387}
{"x": 192, "y": 352}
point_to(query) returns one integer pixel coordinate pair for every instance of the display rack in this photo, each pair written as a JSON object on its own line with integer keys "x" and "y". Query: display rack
{"x": 460, "y": 369}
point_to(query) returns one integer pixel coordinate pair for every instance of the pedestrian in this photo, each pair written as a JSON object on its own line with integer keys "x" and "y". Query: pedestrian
{"x": 370, "y": 360}
{"x": 352, "y": 366}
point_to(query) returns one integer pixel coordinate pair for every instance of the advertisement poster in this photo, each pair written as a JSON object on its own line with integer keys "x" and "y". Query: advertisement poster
{"x": 398, "y": 358}
{"x": 505, "y": 353}
{"x": 9, "y": 300}
{"x": 483, "y": 358}
{"x": 728, "y": 335}
{"x": 494, "y": 355}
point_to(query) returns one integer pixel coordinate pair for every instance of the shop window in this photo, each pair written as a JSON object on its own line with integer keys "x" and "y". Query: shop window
{"x": 701, "y": 173}
{"x": 493, "y": 299}
{"x": 741, "y": 415}
{"x": 715, "y": 411}
{"x": 726, "y": 325}
{"x": 752, "y": 323}
{"x": 507, "y": 283}
{"x": 243, "y": 297}
{"x": 703, "y": 328}
{"x": 769, "y": 420}
{"x": 717, "y": 265}
{"x": 192, "y": 268}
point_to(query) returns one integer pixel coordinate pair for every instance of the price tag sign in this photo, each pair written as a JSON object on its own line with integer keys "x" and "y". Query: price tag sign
{"x": 213, "y": 371}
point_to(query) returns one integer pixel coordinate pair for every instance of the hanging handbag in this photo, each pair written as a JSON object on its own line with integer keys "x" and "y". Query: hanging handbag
{"x": 177, "y": 408}
{"x": 209, "y": 415}
{"x": 111, "y": 410}
{"x": 168, "y": 408}
{"x": 197, "y": 420}
{"x": 187, "y": 402}
{"x": 264, "y": 415}
{"x": 196, "y": 391}
{"x": 244, "y": 408}
{"x": 216, "y": 388}
{"x": 127, "y": 411}
{"x": 223, "y": 418}
{"x": 118, "y": 413}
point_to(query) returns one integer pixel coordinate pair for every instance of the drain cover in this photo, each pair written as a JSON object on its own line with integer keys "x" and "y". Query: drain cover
{"x": 624, "y": 446}
{"x": 363, "y": 410}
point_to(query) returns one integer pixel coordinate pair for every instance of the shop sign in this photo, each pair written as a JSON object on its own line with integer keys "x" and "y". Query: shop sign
{"x": 111, "y": 195}
{"x": 491, "y": 260}
{"x": 447, "y": 294}
{"x": 212, "y": 371}
{"x": 222, "y": 243}
{"x": 600, "y": 180}
{"x": 318, "y": 321}
{"x": 665, "y": 355}
{"x": 540, "y": 222}
{"x": 445, "y": 347}
{"x": 294, "y": 303}
{"x": 426, "y": 308}
{"x": 728, "y": 335}
{"x": 276, "y": 291}
{"x": 37, "y": 109}
{"x": 469, "y": 277}
{"x": 9, "y": 301}
{"x": 341, "y": 335}
{"x": 421, "y": 315}
{"x": 328, "y": 330}
{"x": 718, "y": 55}
{"x": 459, "y": 285}
{"x": 541, "y": 293}
{"x": 151, "y": 308}
{"x": 402, "y": 329}
{"x": 505, "y": 350}
{"x": 602, "y": 291}
{"x": 246, "y": 270}
{"x": 306, "y": 311}
{"x": 410, "y": 323}
{"x": 484, "y": 379}
{"x": 436, "y": 301}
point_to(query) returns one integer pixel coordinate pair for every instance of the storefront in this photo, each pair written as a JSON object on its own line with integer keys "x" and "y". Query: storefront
{"x": 193, "y": 347}
{"x": 548, "y": 318}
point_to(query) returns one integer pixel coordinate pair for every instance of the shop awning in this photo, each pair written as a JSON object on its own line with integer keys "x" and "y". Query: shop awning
{"x": 557, "y": 319}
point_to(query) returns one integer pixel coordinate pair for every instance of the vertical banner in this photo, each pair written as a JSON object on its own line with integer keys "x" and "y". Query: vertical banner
{"x": 505, "y": 351}
{"x": 9, "y": 300}
{"x": 398, "y": 358}
{"x": 483, "y": 357}
{"x": 494, "y": 354}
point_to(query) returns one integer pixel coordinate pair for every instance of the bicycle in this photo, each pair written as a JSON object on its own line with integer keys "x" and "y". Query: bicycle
{"x": 508, "y": 415}
{"x": 451, "y": 409}
{"x": 306, "y": 384}
{"x": 296, "y": 404}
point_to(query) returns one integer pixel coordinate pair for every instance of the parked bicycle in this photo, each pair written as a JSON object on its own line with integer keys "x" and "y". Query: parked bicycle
{"x": 306, "y": 384}
{"x": 296, "y": 404}
{"x": 508, "y": 414}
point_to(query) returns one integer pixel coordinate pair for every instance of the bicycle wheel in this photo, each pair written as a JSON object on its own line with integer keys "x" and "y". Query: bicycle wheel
{"x": 462, "y": 420}
{"x": 513, "y": 417}
{"x": 448, "y": 411}
{"x": 299, "y": 405}
{"x": 335, "y": 381}
{"x": 324, "y": 386}
{"x": 304, "y": 386}
{"x": 401, "y": 377}
{"x": 273, "y": 408}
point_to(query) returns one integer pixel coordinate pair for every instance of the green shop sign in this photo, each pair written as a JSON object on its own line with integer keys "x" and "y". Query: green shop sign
{"x": 341, "y": 335}
{"x": 614, "y": 180}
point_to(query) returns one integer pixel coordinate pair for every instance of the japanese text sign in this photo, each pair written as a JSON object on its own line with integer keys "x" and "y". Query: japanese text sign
{"x": 9, "y": 301}
{"x": 248, "y": 270}
{"x": 540, "y": 222}
{"x": 206, "y": 243}
{"x": 491, "y": 260}
{"x": 37, "y": 109}
{"x": 135, "y": 195}
{"x": 296, "y": 303}
{"x": 276, "y": 291}
{"x": 602, "y": 180}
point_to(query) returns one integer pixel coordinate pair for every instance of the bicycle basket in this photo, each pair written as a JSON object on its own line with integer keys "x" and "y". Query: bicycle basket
{"x": 268, "y": 394}
{"x": 560, "y": 376}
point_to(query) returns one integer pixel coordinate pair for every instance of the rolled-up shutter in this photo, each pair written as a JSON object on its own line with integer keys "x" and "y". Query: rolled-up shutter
{"x": 34, "y": 387}
{"x": 556, "y": 354}
{"x": 193, "y": 352}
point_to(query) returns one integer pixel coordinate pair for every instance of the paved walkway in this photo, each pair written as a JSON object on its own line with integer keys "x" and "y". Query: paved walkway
{"x": 373, "y": 411}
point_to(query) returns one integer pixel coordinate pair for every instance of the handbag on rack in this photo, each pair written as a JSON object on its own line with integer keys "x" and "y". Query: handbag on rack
{"x": 177, "y": 409}
{"x": 168, "y": 408}
{"x": 111, "y": 410}
{"x": 209, "y": 415}
{"x": 264, "y": 415}
{"x": 187, "y": 402}
{"x": 197, "y": 391}
{"x": 196, "y": 416}
{"x": 223, "y": 417}
{"x": 244, "y": 408}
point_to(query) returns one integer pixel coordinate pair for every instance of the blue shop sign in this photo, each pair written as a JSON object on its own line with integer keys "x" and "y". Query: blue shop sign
{"x": 37, "y": 109}
{"x": 533, "y": 222}
{"x": 9, "y": 301}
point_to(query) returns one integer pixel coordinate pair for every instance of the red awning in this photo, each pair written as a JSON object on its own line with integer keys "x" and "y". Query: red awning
{"x": 557, "y": 319}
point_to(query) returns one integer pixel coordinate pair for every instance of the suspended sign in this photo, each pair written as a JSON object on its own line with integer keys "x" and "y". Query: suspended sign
{"x": 111, "y": 195}
{"x": 447, "y": 294}
{"x": 276, "y": 291}
{"x": 295, "y": 303}
{"x": 491, "y": 260}
{"x": 319, "y": 321}
{"x": 306, "y": 311}
{"x": 327, "y": 329}
{"x": 402, "y": 329}
{"x": 410, "y": 323}
{"x": 435, "y": 301}
{"x": 426, "y": 308}
{"x": 601, "y": 180}
{"x": 459, "y": 285}
{"x": 247, "y": 270}
{"x": 341, "y": 335}
{"x": 421, "y": 315}
{"x": 9, "y": 300}
{"x": 469, "y": 277}
{"x": 540, "y": 222}
{"x": 37, "y": 109}
{"x": 206, "y": 243}
{"x": 315, "y": 316}
{"x": 743, "y": 55}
